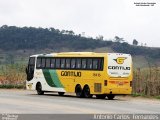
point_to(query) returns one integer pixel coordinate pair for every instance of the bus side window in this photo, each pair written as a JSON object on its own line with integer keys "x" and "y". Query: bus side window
{"x": 78, "y": 63}
{"x": 95, "y": 64}
{"x": 89, "y": 63}
{"x": 57, "y": 63}
{"x": 100, "y": 64}
{"x": 73, "y": 63}
{"x": 84, "y": 63}
{"x": 62, "y": 63}
{"x": 52, "y": 62}
{"x": 68, "y": 63}
{"x": 38, "y": 65}
{"x": 43, "y": 63}
{"x": 47, "y": 62}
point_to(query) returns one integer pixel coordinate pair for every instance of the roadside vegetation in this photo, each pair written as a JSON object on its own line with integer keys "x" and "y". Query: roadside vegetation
{"x": 12, "y": 76}
{"x": 146, "y": 82}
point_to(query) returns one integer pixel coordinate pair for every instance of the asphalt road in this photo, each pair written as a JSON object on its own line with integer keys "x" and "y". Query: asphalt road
{"x": 23, "y": 101}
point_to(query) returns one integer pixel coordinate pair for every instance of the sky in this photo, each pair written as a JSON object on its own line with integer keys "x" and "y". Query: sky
{"x": 108, "y": 18}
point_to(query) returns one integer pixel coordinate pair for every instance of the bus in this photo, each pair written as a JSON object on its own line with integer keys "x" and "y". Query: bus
{"x": 83, "y": 73}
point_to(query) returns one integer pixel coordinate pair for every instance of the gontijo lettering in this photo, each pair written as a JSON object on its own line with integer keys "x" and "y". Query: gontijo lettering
{"x": 118, "y": 68}
{"x": 71, "y": 73}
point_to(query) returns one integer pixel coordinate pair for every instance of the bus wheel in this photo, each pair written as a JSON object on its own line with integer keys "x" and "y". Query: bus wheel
{"x": 39, "y": 89}
{"x": 86, "y": 92}
{"x": 101, "y": 96}
{"x": 78, "y": 91}
{"x": 110, "y": 96}
{"x": 61, "y": 93}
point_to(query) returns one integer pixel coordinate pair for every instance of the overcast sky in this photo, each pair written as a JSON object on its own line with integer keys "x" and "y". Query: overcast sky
{"x": 109, "y": 18}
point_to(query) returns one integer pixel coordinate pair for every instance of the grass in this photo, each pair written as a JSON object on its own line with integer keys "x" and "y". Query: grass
{"x": 138, "y": 95}
{"x": 145, "y": 96}
{"x": 157, "y": 97}
{"x": 11, "y": 86}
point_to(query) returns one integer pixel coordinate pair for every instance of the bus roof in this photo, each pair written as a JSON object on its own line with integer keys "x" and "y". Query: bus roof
{"x": 74, "y": 54}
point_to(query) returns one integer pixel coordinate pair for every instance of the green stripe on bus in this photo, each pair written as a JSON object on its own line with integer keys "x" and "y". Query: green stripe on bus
{"x": 48, "y": 78}
{"x": 55, "y": 78}
{"x": 52, "y": 79}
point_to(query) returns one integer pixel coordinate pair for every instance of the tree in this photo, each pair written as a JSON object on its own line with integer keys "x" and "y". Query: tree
{"x": 70, "y": 32}
{"x": 118, "y": 39}
{"x": 135, "y": 42}
{"x": 145, "y": 44}
{"x": 100, "y": 37}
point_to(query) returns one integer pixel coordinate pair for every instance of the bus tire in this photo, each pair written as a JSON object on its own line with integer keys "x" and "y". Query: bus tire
{"x": 61, "y": 93}
{"x": 39, "y": 89}
{"x": 86, "y": 92}
{"x": 103, "y": 96}
{"x": 110, "y": 96}
{"x": 78, "y": 91}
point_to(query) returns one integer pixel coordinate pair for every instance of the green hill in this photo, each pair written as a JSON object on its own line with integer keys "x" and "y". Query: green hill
{"x": 19, "y": 42}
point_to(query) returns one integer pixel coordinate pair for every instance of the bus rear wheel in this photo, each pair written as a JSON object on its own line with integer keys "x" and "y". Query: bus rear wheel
{"x": 101, "y": 96}
{"x": 110, "y": 96}
{"x": 39, "y": 89}
{"x": 61, "y": 93}
{"x": 86, "y": 92}
{"x": 78, "y": 91}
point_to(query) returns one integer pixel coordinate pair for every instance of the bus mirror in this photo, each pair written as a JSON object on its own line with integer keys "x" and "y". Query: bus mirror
{"x": 26, "y": 70}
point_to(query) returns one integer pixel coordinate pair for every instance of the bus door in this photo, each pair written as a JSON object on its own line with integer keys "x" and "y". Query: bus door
{"x": 30, "y": 68}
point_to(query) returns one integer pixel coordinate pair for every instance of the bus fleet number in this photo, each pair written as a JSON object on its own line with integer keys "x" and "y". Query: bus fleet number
{"x": 96, "y": 74}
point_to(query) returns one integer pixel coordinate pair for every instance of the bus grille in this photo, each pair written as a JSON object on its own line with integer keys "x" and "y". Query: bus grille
{"x": 97, "y": 87}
